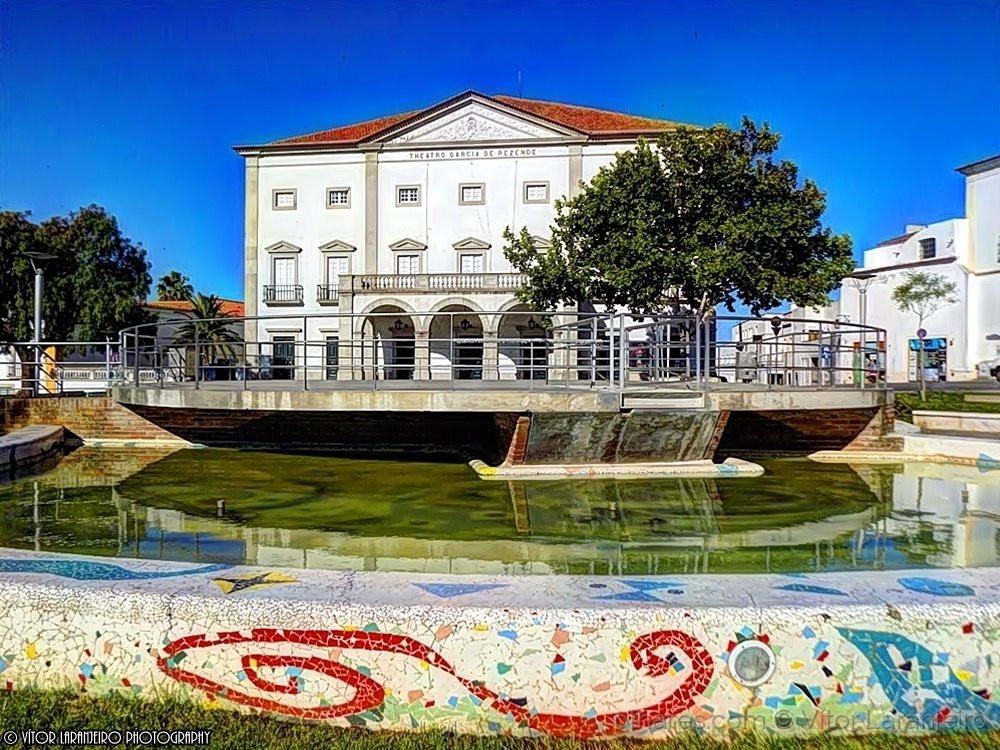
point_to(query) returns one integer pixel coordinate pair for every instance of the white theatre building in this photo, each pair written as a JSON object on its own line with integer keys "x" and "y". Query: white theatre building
{"x": 393, "y": 230}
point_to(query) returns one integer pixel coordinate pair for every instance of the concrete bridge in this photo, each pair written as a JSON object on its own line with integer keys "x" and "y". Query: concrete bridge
{"x": 580, "y": 388}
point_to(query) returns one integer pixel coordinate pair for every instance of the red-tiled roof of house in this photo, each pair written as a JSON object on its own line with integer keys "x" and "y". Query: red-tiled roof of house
{"x": 587, "y": 120}
{"x": 349, "y": 133}
{"x": 229, "y": 306}
{"x": 895, "y": 240}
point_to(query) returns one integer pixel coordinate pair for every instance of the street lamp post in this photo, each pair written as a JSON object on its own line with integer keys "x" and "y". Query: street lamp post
{"x": 861, "y": 282}
{"x": 38, "y": 261}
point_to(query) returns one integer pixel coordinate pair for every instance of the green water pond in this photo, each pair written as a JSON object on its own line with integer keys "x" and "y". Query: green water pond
{"x": 322, "y": 511}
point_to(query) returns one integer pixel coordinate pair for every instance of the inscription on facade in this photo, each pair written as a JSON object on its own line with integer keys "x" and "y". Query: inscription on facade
{"x": 476, "y": 153}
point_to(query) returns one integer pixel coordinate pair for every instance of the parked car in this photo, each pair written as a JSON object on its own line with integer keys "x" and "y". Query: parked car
{"x": 995, "y": 369}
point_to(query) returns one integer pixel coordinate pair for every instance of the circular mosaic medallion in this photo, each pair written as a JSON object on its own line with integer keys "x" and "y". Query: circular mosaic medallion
{"x": 751, "y": 663}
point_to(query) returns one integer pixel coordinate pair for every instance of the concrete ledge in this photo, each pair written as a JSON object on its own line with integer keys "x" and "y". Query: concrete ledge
{"x": 28, "y": 446}
{"x": 553, "y": 399}
{"x": 139, "y": 443}
{"x": 581, "y": 656}
{"x": 939, "y": 449}
{"x": 731, "y": 467}
{"x": 983, "y": 423}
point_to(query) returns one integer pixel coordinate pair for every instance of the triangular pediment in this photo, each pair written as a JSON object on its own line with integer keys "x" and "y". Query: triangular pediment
{"x": 337, "y": 246}
{"x": 471, "y": 243}
{"x": 480, "y": 121}
{"x": 540, "y": 242}
{"x": 282, "y": 247}
{"x": 407, "y": 244}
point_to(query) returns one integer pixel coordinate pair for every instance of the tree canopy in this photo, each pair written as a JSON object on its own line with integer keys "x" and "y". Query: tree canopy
{"x": 702, "y": 217}
{"x": 923, "y": 294}
{"x": 174, "y": 286}
{"x": 210, "y": 329}
{"x": 93, "y": 287}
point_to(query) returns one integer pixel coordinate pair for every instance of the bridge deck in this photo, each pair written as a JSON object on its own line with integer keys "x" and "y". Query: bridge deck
{"x": 491, "y": 396}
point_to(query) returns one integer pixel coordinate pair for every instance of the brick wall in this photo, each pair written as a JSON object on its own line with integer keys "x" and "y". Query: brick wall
{"x": 806, "y": 430}
{"x": 83, "y": 418}
{"x": 468, "y": 435}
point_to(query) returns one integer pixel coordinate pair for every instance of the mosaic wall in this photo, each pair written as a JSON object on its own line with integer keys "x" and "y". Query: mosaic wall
{"x": 563, "y": 656}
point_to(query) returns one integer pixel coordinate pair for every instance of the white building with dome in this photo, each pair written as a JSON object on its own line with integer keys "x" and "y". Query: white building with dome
{"x": 388, "y": 234}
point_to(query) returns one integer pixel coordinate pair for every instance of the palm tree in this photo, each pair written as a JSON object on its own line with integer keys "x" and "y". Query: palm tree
{"x": 209, "y": 328}
{"x": 174, "y": 286}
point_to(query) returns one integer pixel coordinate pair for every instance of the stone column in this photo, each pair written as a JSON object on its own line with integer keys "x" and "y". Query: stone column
{"x": 491, "y": 356}
{"x": 421, "y": 356}
{"x": 371, "y": 213}
{"x": 559, "y": 359}
{"x": 250, "y": 274}
{"x": 348, "y": 351}
{"x": 575, "y": 169}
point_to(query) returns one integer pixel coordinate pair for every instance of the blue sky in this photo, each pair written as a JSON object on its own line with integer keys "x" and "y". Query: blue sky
{"x": 134, "y": 104}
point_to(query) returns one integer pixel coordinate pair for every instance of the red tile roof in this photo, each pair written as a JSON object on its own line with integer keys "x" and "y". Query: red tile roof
{"x": 229, "y": 306}
{"x": 895, "y": 240}
{"x": 349, "y": 133}
{"x": 587, "y": 120}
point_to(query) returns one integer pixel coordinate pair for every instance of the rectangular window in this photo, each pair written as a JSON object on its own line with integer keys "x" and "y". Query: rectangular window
{"x": 407, "y": 264}
{"x": 283, "y": 200}
{"x": 284, "y": 272}
{"x": 338, "y": 197}
{"x": 283, "y": 357}
{"x": 471, "y": 263}
{"x": 408, "y": 195}
{"x": 336, "y": 266}
{"x": 472, "y": 194}
{"x": 928, "y": 248}
{"x": 332, "y": 357}
{"x": 536, "y": 192}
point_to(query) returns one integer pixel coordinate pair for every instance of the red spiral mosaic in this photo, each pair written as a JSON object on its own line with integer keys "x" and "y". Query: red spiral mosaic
{"x": 369, "y": 693}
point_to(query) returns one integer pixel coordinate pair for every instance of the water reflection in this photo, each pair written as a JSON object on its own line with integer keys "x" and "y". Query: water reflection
{"x": 320, "y": 512}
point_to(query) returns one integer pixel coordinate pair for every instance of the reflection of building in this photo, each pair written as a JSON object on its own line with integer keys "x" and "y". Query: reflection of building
{"x": 400, "y": 221}
{"x": 956, "y": 510}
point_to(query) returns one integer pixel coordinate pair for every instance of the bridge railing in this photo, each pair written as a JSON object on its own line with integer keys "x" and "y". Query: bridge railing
{"x": 460, "y": 349}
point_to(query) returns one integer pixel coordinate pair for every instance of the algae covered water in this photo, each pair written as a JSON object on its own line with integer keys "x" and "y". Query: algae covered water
{"x": 320, "y": 511}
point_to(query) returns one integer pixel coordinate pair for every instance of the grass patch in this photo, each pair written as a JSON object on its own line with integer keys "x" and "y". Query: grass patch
{"x": 908, "y": 401}
{"x": 57, "y": 710}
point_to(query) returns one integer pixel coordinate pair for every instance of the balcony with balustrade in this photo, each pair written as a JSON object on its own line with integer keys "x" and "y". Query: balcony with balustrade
{"x": 433, "y": 283}
{"x": 283, "y": 294}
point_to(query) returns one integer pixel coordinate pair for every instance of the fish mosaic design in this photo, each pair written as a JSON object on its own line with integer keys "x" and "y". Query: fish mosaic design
{"x": 920, "y": 685}
{"x": 369, "y": 693}
{"x": 87, "y": 570}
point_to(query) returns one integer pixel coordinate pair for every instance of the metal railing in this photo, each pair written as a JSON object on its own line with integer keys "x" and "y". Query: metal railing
{"x": 327, "y": 293}
{"x": 436, "y": 282}
{"x": 557, "y": 349}
{"x": 39, "y": 369}
{"x": 460, "y": 349}
{"x": 291, "y": 293}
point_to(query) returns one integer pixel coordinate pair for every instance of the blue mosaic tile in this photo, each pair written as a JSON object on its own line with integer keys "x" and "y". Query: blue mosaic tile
{"x": 936, "y": 587}
{"x": 448, "y": 590}
{"x": 85, "y": 570}
{"x": 808, "y": 588}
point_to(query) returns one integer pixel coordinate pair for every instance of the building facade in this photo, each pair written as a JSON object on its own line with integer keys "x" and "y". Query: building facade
{"x": 961, "y": 339}
{"x": 380, "y": 244}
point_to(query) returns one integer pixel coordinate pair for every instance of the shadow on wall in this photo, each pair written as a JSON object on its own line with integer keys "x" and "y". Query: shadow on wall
{"x": 451, "y": 435}
{"x": 793, "y": 433}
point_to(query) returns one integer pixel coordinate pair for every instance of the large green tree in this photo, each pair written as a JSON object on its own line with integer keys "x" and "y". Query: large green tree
{"x": 702, "y": 217}
{"x": 93, "y": 287}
